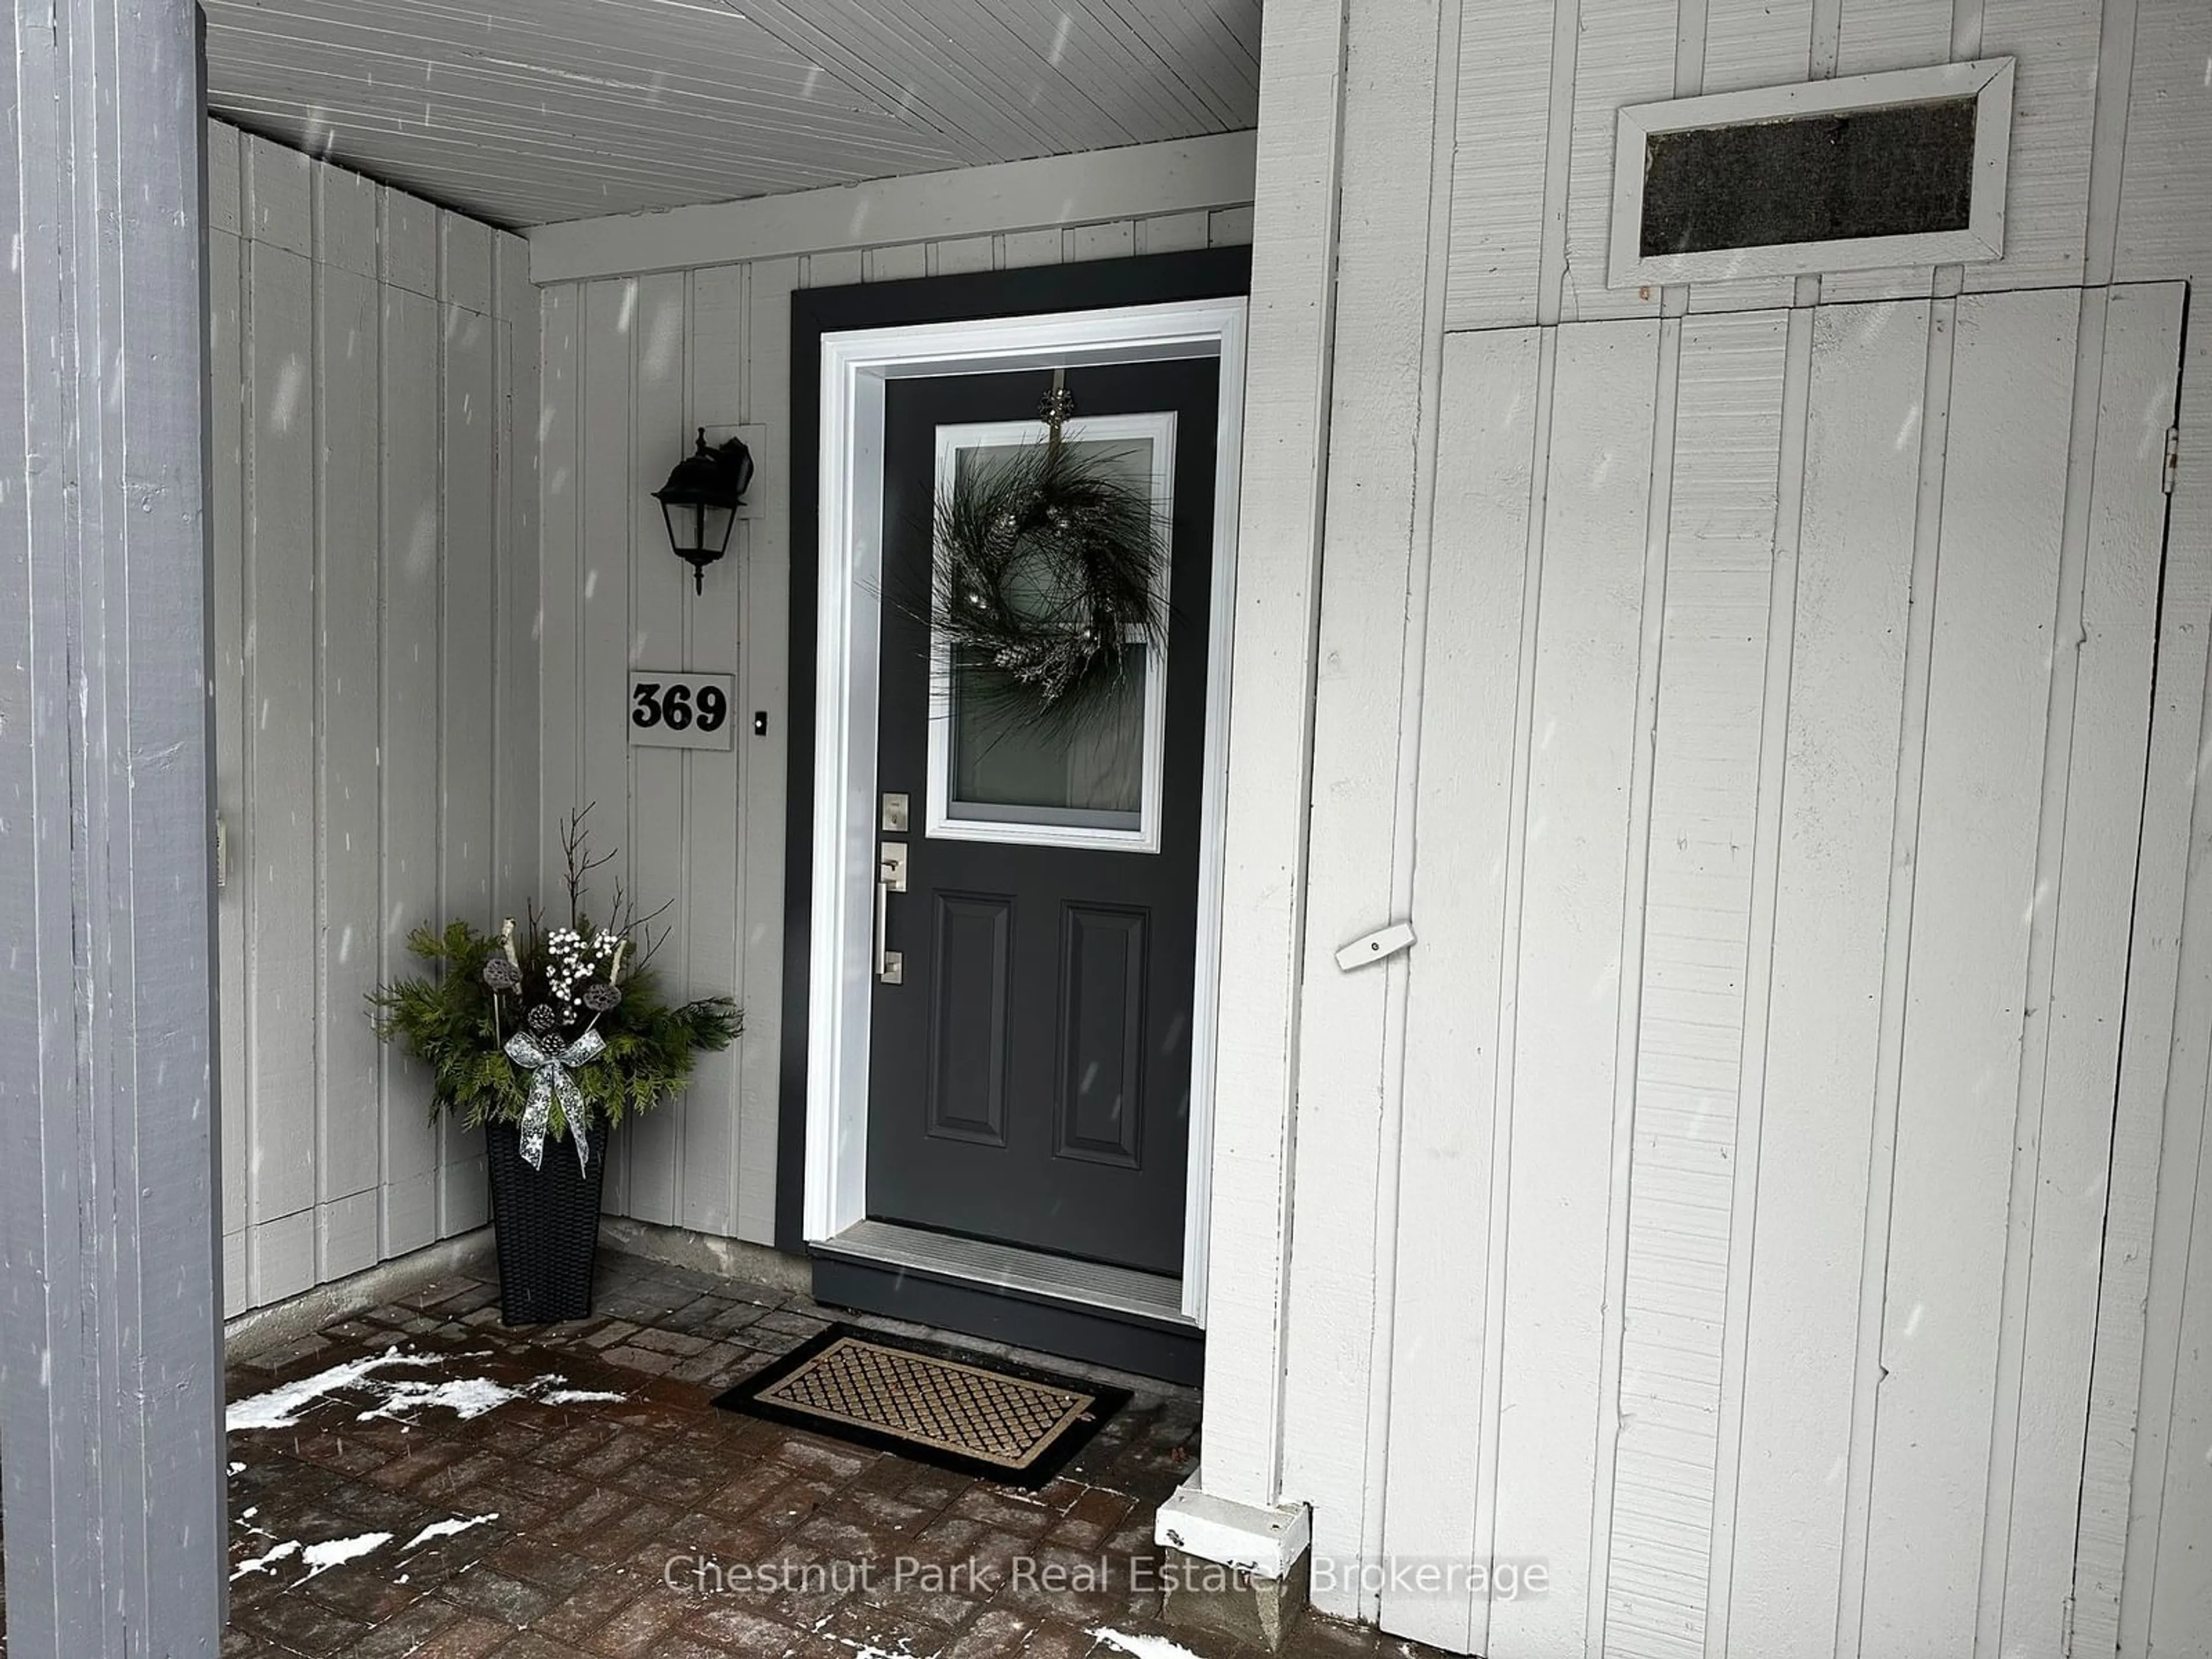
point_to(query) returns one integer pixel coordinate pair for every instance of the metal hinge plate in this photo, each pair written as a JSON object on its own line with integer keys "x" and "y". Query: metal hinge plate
{"x": 2172, "y": 458}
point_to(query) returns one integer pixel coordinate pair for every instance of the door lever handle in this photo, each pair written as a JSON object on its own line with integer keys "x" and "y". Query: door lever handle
{"x": 890, "y": 877}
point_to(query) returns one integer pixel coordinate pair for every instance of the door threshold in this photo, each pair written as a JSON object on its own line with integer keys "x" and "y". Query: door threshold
{"x": 1031, "y": 1275}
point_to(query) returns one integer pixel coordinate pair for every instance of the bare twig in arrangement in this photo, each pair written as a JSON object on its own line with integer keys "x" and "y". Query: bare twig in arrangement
{"x": 577, "y": 861}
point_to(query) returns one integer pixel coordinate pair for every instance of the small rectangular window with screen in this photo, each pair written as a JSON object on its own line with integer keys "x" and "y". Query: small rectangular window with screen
{"x": 1833, "y": 175}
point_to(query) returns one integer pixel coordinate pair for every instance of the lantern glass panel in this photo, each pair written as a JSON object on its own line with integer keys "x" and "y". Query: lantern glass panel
{"x": 716, "y": 524}
{"x": 697, "y": 527}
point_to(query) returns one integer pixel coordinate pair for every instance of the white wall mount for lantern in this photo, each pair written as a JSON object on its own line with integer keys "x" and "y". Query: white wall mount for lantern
{"x": 755, "y": 437}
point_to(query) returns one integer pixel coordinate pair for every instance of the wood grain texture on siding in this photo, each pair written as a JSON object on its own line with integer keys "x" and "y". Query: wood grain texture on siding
{"x": 2054, "y": 115}
{"x": 341, "y": 510}
{"x": 516, "y": 808}
{"x": 469, "y": 744}
{"x": 1696, "y": 909}
{"x": 1499, "y": 177}
{"x": 712, "y": 810}
{"x": 347, "y": 693}
{"x": 410, "y": 576}
{"x": 1624, "y": 55}
{"x": 1873, "y": 35}
{"x": 226, "y": 453}
{"x": 1566, "y": 980}
{"x": 1975, "y": 897}
{"x": 1808, "y": 1215}
{"x": 2108, "y": 602}
{"x": 607, "y": 499}
{"x": 1458, "y": 1078}
{"x": 1371, "y": 579}
{"x": 1755, "y": 43}
{"x": 2166, "y": 190}
{"x": 761, "y": 640}
{"x": 2143, "y": 1576}
{"x": 650, "y": 818}
{"x": 278, "y": 853}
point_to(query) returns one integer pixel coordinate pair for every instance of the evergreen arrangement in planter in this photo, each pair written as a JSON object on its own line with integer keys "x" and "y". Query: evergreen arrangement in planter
{"x": 546, "y": 1034}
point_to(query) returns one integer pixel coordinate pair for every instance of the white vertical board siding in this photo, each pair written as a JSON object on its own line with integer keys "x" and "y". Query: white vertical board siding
{"x": 631, "y": 369}
{"x": 656, "y": 792}
{"x": 1803, "y": 1232}
{"x": 225, "y": 457}
{"x": 2145, "y": 1571}
{"x": 469, "y": 630}
{"x": 1797, "y": 830}
{"x": 1974, "y": 903}
{"x": 1458, "y": 1084}
{"x": 2144, "y": 1579}
{"x": 348, "y": 345}
{"x": 2109, "y": 573}
{"x": 1692, "y": 1014}
{"x": 1583, "y": 738}
{"x": 1373, "y": 579}
{"x": 358, "y": 542}
{"x": 277, "y": 855}
{"x": 408, "y": 574}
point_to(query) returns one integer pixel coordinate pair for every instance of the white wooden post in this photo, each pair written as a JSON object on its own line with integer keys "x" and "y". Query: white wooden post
{"x": 110, "y": 1369}
{"x": 1233, "y": 1508}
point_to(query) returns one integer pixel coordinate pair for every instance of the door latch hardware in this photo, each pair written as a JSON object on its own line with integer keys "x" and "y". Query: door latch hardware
{"x": 1379, "y": 945}
{"x": 890, "y": 877}
{"x": 896, "y": 815}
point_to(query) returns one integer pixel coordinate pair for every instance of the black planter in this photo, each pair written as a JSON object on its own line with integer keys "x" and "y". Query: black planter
{"x": 546, "y": 1224}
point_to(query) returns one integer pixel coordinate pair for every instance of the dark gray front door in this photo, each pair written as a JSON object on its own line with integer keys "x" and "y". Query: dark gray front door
{"x": 1030, "y": 1071}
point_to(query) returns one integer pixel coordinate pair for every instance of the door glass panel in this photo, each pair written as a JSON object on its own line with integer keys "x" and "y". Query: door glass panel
{"x": 1001, "y": 772}
{"x": 1008, "y": 767}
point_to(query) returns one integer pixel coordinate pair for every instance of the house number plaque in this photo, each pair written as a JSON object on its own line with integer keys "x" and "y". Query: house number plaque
{"x": 682, "y": 711}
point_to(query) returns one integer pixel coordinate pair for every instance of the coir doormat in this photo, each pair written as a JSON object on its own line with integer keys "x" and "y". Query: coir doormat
{"x": 987, "y": 1419}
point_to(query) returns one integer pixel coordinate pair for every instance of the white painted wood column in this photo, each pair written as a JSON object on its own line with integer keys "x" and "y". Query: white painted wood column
{"x": 1271, "y": 741}
{"x": 110, "y": 1370}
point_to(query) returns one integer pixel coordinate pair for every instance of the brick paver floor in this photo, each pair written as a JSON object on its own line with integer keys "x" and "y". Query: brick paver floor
{"x": 429, "y": 1482}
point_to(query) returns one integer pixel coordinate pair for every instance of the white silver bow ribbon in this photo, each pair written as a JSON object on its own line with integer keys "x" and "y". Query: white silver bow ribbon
{"x": 549, "y": 1081}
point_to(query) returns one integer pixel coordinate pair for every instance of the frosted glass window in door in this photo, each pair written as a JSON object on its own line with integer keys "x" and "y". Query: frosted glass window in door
{"x": 1008, "y": 772}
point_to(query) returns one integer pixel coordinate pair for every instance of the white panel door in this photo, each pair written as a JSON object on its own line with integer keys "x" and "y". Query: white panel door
{"x": 1787, "y": 695}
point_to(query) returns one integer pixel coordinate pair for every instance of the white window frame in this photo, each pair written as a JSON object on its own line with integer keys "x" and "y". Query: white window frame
{"x": 941, "y": 822}
{"x": 1988, "y": 81}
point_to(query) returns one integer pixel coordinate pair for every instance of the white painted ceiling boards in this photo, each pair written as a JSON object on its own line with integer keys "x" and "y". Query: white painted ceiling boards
{"x": 528, "y": 111}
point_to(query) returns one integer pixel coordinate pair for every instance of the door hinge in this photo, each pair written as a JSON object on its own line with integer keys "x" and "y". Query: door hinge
{"x": 2172, "y": 458}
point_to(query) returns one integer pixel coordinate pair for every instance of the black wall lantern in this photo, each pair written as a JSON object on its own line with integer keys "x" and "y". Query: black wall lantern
{"x": 701, "y": 501}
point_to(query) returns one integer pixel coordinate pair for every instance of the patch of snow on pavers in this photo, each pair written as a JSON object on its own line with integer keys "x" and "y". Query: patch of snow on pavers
{"x": 1142, "y": 1647}
{"x": 452, "y": 1529}
{"x": 466, "y": 1397}
{"x": 318, "y": 1558}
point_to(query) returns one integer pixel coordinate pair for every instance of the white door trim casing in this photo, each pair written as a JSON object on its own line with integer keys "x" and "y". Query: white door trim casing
{"x": 857, "y": 366}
